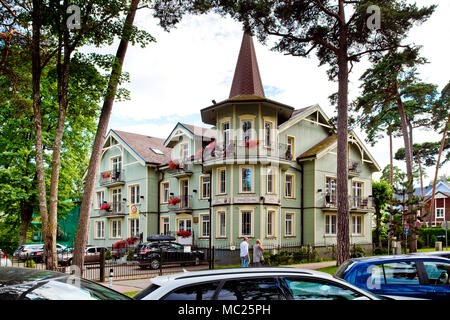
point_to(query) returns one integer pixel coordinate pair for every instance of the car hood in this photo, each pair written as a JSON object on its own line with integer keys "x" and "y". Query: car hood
{"x": 391, "y": 297}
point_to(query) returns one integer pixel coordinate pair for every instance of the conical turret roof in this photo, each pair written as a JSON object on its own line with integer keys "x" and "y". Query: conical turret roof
{"x": 247, "y": 80}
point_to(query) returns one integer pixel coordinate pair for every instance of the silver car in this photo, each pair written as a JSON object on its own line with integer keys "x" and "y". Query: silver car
{"x": 281, "y": 283}
{"x": 25, "y": 251}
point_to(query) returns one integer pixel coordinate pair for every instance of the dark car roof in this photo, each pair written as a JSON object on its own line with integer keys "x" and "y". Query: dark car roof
{"x": 415, "y": 257}
{"x": 10, "y": 276}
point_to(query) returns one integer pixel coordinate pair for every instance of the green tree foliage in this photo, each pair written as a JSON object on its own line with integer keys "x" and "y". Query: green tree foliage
{"x": 381, "y": 197}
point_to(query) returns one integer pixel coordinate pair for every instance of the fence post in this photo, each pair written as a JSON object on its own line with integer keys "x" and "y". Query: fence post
{"x": 102, "y": 265}
{"x": 212, "y": 256}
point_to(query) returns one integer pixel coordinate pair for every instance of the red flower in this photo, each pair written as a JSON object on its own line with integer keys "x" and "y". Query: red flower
{"x": 105, "y": 206}
{"x": 174, "y": 201}
{"x": 119, "y": 244}
{"x": 184, "y": 234}
{"x": 173, "y": 165}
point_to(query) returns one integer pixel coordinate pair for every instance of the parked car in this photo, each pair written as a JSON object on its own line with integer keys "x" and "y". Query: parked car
{"x": 417, "y": 276}
{"x": 4, "y": 261}
{"x": 28, "y": 251}
{"x": 32, "y": 284}
{"x": 267, "y": 283}
{"x": 91, "y": 255}
{"x": 149, "y": 254}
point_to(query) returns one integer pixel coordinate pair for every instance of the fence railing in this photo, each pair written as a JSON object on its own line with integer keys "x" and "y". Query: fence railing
{"x": 112, "y": 177}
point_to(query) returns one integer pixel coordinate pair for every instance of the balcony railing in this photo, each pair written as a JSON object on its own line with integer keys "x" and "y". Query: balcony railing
{"x": 180, "y": 203}
{"x": 330, "y": 201}
{"x": 182, "y": 169}
{"x": 354, "y": 168}
{"x": 112, "y": 208}
{"x": 112, "y": 178}
{"x": 242, "y": 149}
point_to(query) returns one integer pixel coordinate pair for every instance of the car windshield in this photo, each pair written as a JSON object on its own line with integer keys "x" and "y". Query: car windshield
{"x": 340, "y": 272}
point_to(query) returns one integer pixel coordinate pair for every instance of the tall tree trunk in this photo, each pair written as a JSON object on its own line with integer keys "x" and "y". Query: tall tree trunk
{"x": 26, "y": 216}
{"x": 94, "y": 163}
{"x": 409, "y": 172}
{"x": 433, "y": 193}
{"x": 36, "y": 79}
{"x": 343, "y": 240}
{"x": 391, "y": 169}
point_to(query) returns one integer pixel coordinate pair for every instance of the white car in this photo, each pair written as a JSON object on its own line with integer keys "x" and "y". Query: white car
{"x": 4, "y": 261}
{"x": 26, "y": 251}
{"x": 267, "y": 283}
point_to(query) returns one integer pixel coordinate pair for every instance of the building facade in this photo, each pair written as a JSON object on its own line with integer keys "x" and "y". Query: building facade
{"x": 265, "y": 171}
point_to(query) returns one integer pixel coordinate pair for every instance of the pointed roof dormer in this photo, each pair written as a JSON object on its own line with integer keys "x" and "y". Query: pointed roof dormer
{"x": 247, "y": 80}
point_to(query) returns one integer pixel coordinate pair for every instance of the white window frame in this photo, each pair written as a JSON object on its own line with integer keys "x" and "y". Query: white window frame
{"x": 116, "y": 163}
{"x": 115, "y": 201}
{"x": 252, "y": 170}
{"x": 330, "y": 221}
{"x": 251, "y": 222}
{"x": 292, "y": 195}
{"x": 357, "y": 223}
{"x": 100, "y": 199}
{"x": 133, "y": 228}
{"x": 357, "y": 192}
{"x": 220, "y": 182}
{"x": 250, "y": 132}
{"x": 270, "y": 223}
{"x": 270, "y": 142}
{"x": 331, "y": 188}
{"x": 440, "y": 215}
{"x": 291, "y": 222}
{"x": 137, "y": 195}
{"x": 165, "y": 221}
{"x": 204, "y": 185}
{"x": 97, "y": 229}
{"x": 221, "y": 224}
{"x": 185, "y": 152}
{"x": 205, "y": 225}
{"x": 164, "y": 196}
{"x": 290, "y": 142}
{"x": 116, "y": 228}
{"x": 226, "y": 134}
{"x": 273, "y": 184}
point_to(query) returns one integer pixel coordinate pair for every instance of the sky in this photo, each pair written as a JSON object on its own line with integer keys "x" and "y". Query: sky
{"x": 173, "y": 79}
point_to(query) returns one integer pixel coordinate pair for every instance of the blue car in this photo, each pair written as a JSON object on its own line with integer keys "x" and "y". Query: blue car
{"x": 416, "y": 276}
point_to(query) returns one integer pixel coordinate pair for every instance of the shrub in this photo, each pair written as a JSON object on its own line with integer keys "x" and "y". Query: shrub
{"x": 357, "y": 252}
{"x": 130, "y": 255}
{"x": 305, "y": 254}
{"x": 108, "y": 255}
{"x": 380, "y": 251}
{"x": 30, "y": 264}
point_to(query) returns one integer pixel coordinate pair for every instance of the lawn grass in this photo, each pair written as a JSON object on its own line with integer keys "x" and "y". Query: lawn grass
{"x": 131, "y": 293}
{"x": 330, "y": 270}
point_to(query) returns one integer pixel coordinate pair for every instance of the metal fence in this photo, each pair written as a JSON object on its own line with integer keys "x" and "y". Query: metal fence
{"x": 102, "y": 263}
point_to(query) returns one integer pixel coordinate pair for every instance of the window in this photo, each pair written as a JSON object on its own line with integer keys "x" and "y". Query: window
{"x": 290, "y": 147}
{"x": 156, "y": 150}
{"x": 304, "y": 289}
{"x": 221, "y": 220}
{"x": 165, "y": 192}
{"x": 100, "y": 198}
{"x": 289, "y": 186}
{"x": 330, "y": 224}
{"x": 116, "y": 226}
{"x": 117, "y": 200}
{"x": 270, "y": 181}
{"x": 206, "y": 187}
{"x": 246, "y": 180}
{"x": 252, "y": 289}
{"x": 205, "y": 225}
{"x": 289, "y": 222}
{"x": 246, "y": 126}
{"x": 99, "y": 229}
{"x": 222, "y": 181}
{"x": 330, "y": 186}
{"x": 270, "y": 223}
{"x": 134, "y": 227}
{"x": 246, "y": 223}
{"x": 226, "y": 134}
{"x": 268, "y": 134}
{"x": 440, "y": 213}
{"x": 185, "y": 224}
{"x": 404, "y": 272}
{"x": 166, "y": 228}
{"x": 134, "y": 193}
{"x": 357, "y": 188}
{"x": 357, "y": 225}
{"x": 203, "y": 291}
{"x": 184, "y": 151}
{"x": 437, "y": 272}
{"x": 116, "y": 164}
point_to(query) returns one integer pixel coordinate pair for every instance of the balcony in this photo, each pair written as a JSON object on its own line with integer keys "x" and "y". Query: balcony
{"x": 112, "y": 208}
{"x": 355, "y": 203}
{"x": 247, "y": 149}
{"x": 112, "y": 178}
{"x": 354, "y": 168}
{"x": 180, "y": 203}
{"x": 184, "y": 169}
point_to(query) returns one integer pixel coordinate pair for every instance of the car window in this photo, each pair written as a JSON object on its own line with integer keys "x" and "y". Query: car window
{"x": 404, "y": 272}
{"x": 203, "y": 291}
{"x": 437, "y": 272}
{"x": 305, "y": 289}
{"x": 90, "y": 250}
{"x": 176, "y": 246}
{"x": 251, "y": 289}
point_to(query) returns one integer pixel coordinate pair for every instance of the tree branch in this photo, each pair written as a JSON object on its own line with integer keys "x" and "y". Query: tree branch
{"x": 329, "y": 12}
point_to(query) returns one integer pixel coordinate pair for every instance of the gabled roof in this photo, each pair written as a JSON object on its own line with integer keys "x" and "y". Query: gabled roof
{"x": 445, "y": 194}
{"x": 143, "y": 145}
{"x": 194, "y": 131}
{"x": 318, "y": 148}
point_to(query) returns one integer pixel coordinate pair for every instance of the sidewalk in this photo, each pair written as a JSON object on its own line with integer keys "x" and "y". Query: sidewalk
{"x": 140, "y": 284}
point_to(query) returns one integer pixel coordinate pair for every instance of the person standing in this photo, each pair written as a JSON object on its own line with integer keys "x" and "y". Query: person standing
{"x": 245, "y": 259}
{"x": 258, "y": 258}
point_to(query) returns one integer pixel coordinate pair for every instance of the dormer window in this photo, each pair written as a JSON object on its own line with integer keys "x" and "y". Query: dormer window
{"x": 246, "y": 130}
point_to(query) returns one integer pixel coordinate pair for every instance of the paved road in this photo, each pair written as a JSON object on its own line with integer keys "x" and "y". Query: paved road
{"x": 139, "y": 284}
